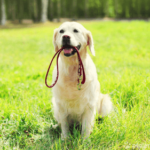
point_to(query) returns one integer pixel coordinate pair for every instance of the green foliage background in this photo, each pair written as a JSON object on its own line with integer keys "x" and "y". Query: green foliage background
{"x": 27, "y": 9}
{"x": 123, "y": 66}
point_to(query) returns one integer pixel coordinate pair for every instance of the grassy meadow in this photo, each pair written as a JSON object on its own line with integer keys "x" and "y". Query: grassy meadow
{"x": 123, "y": 66}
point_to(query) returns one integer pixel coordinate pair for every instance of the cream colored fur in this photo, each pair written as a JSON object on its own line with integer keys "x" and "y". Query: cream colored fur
{"x": 70, "y": 104}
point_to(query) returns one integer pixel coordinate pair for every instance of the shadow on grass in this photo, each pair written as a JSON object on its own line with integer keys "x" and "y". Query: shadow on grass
{"x": 51, "y": 139}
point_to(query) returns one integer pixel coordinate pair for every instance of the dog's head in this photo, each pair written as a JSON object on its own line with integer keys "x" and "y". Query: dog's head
{"x": 72, "y": 34}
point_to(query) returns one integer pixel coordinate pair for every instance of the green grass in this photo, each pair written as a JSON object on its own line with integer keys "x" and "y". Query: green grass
{"x": 123, "y": 67}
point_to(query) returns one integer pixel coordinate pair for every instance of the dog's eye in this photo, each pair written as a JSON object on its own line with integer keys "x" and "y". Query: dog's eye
{"x": 75, "y": 30}
{"x": 61, "y": 31}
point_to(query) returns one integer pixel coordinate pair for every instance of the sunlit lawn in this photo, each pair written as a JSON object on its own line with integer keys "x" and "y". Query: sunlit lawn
{"x": 123, "y": 67}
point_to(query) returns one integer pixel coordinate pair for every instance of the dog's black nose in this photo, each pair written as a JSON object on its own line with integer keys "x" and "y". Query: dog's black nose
{"x": 66, "y": 40}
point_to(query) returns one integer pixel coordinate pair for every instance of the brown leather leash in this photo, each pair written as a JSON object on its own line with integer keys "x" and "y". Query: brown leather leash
{"x": 81, "y": 80}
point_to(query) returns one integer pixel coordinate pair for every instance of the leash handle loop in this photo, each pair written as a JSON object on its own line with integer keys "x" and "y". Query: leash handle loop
{"x": 81, "y": 68}
{"x": 50, "y": 86}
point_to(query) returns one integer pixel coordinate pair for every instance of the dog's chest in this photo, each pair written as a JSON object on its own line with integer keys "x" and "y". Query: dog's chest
{"x": 69, "y": 90}
{"x": 72, "y": 99}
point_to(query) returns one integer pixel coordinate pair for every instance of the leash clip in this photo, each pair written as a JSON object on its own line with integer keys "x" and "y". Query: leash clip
{"x": 79, "y": 84}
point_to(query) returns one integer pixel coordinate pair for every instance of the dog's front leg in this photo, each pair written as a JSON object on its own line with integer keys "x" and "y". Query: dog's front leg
{"x": 87, "y": 121}
{"x": 62, "y": 119}
{"x": 64, "y": 128}
{"x": 60, "y": 113}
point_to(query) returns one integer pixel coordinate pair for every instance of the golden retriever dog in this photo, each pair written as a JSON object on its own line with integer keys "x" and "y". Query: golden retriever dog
{"x": 70, "y": 104}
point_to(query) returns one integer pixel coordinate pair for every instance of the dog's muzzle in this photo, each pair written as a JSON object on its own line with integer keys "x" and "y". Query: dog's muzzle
{"x": 66, "y": 40}
{"x": 68, "y": 50}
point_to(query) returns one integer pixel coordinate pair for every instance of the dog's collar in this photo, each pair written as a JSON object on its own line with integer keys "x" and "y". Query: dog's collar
{"x": 81, "y": 80}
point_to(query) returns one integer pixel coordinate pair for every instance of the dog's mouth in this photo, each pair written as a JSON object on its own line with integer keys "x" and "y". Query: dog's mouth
{"x": 70, "y": 50}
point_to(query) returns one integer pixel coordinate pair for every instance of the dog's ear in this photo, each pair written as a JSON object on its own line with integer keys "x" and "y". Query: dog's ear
{"x": 90, "y": 42}
{"x": 54, "y": 39}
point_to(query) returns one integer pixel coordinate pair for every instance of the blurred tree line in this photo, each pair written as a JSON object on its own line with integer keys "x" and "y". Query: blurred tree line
{"x": 41, "y": 10}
